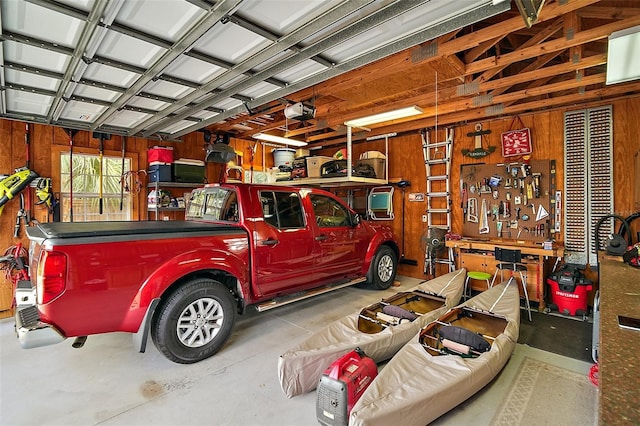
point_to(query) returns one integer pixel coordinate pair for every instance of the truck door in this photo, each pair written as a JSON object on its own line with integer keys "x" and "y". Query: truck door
{"x": 342, "y": 247}
{"x": 285, "y": 248}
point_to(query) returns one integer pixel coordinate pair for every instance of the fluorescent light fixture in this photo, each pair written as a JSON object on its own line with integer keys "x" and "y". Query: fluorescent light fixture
{"x": 278, "y": 139}
{"x": 623, "y": 61}
{"x": 385, "y": 116}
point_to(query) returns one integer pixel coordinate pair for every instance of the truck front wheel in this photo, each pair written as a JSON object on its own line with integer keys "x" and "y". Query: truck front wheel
{"x": 382, "y": 271}
{"x": 194, "y": 322}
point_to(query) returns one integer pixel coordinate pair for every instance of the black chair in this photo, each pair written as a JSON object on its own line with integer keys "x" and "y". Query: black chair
{"x": 511, "y": 261}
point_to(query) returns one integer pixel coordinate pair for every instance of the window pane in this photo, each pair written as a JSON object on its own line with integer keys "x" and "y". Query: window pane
{"x": 87, "y": 186}
{"x": 328, "y": 212}
{"x": 267, "y": 199}
{"x": 289, "y": 210}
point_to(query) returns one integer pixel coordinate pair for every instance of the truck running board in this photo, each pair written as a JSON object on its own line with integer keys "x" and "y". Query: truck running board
{"x": 285, "y": 300}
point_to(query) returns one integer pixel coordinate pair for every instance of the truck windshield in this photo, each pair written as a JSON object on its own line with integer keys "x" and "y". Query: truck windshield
{"x": 213, "y": 204}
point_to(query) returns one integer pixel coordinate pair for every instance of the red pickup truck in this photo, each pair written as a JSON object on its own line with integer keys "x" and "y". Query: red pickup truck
{"x": 185, "y": 281}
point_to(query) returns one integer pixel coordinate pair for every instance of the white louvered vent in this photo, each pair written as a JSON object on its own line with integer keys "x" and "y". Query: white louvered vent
{"x": 588, "y": 169}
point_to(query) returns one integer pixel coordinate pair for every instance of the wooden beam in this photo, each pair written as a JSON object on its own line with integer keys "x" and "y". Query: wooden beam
{"x": 400, "y": 61}
{"x": 552, "y": 46}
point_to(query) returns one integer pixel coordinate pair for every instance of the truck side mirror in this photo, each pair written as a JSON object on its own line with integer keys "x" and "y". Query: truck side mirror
{"x": 355, "y": 219}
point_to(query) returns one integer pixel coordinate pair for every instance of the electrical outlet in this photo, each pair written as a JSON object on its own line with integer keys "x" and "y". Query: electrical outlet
{"x": 424, "y": 218}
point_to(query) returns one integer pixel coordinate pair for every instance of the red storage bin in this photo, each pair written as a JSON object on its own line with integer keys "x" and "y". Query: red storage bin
{"x": 161, "y": 154}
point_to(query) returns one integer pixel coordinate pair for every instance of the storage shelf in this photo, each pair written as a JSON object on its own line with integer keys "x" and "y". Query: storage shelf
{"x": 159, "y": 185}
{"x": 165, "y": 209}
{"x": 174, "y": 184}
{"x": 332, "y": 181}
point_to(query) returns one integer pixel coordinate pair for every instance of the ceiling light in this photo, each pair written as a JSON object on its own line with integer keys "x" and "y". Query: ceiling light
{"x": 385, "y": 116}
{"x": 278, "y": 139}
{"x": 623, "y": 63}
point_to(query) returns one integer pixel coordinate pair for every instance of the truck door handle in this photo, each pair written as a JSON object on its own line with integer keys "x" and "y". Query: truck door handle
{"x": 270, "y": 242}
{"x": 321, "y": 237}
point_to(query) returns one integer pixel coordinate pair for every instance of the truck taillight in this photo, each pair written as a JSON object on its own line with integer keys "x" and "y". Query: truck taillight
{"x": 50, "y": 279}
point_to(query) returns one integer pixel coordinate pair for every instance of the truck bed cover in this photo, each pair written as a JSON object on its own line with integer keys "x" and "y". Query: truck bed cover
{"x": 101, "y": 229}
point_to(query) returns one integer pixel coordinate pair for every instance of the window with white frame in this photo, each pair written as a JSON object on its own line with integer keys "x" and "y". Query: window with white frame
{"x": 90, "y": 186}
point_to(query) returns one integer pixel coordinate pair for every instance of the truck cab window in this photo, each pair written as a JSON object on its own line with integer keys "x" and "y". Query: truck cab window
{"x": 328, "y": 212}
{"x": 282, "y": 210}
{"x": 230, "y": 208}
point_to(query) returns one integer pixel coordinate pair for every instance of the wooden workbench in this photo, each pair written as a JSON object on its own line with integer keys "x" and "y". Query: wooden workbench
{"x": 618, "y": 359}
{"x": 477, "y": 255}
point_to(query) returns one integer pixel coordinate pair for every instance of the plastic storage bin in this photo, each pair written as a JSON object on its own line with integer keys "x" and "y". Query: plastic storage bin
{"x": 377, "y": 164}
{"x": 160, "y": 172}
{"x": 188, "y": 171}
{"x": 161, "y": 154}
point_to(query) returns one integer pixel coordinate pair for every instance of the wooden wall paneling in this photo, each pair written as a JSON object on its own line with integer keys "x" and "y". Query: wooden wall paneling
{"x": 7, "y": 166}
{"x": 625, "y": 146}
{"x": 406, "y": 162}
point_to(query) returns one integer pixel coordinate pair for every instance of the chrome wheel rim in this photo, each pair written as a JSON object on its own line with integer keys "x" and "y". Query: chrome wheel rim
{"x": 385, "y": 268}
{"x": 200, "y": 322}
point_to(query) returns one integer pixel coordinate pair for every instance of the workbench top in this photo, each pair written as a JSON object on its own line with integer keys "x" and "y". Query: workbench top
{"x": 525, "y": 248}
{"x": 619, "y": 362}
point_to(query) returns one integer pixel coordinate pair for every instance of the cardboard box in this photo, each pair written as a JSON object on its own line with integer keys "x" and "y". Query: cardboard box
{"x": 377, "y": 164}
{"x": 314, "y": 164}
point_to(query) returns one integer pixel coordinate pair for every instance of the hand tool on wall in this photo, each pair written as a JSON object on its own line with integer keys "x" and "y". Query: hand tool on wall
{"x": 472, "y": 210}
{"x": 101, "y": 136}
{"x": 20, "y": 216}
{"x": 11, "y": 185}
{"x": 71, "y": 133}
{"x": 464, "y": 202}
{"x": 27, "y": 144}
{"x": 124, "y": 141}
{"x": 483, "y": 227}
{"x": 536, "y": 184}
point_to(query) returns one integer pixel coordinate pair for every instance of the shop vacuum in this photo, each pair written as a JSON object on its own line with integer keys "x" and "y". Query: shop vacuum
{"x": 569, "y": 290}
{"x": 341, "y": 385}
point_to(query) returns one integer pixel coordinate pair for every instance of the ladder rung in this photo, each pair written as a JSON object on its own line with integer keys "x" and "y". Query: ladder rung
{"x": 438, "y": 194}
{"x": 438, "y": 210}
{"x": 436, "y": 144}
{"x": 445, "y": 227}
{"x": 439, "y": 161}
{"x": 443, "y": 177}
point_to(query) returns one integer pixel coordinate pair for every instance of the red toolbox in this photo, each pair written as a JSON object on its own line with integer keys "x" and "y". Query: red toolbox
{"x": 341, "y": 386}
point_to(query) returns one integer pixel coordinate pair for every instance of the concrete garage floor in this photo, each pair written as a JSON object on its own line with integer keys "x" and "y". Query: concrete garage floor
{"x": 108, "y": 383}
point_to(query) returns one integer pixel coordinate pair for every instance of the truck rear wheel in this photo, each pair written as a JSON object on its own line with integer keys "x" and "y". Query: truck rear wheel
{"x": 382, "y": 271}
{"x": 194, "y": 322}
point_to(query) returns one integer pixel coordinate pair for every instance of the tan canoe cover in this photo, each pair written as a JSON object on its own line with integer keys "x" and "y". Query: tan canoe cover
{"x": 415, "y": 388}
{"x": 300, "y": 368}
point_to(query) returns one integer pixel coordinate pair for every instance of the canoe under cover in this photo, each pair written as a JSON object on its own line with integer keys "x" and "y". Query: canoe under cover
{"x": 300, "y": 368}
{"x": 415, "y": 387}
